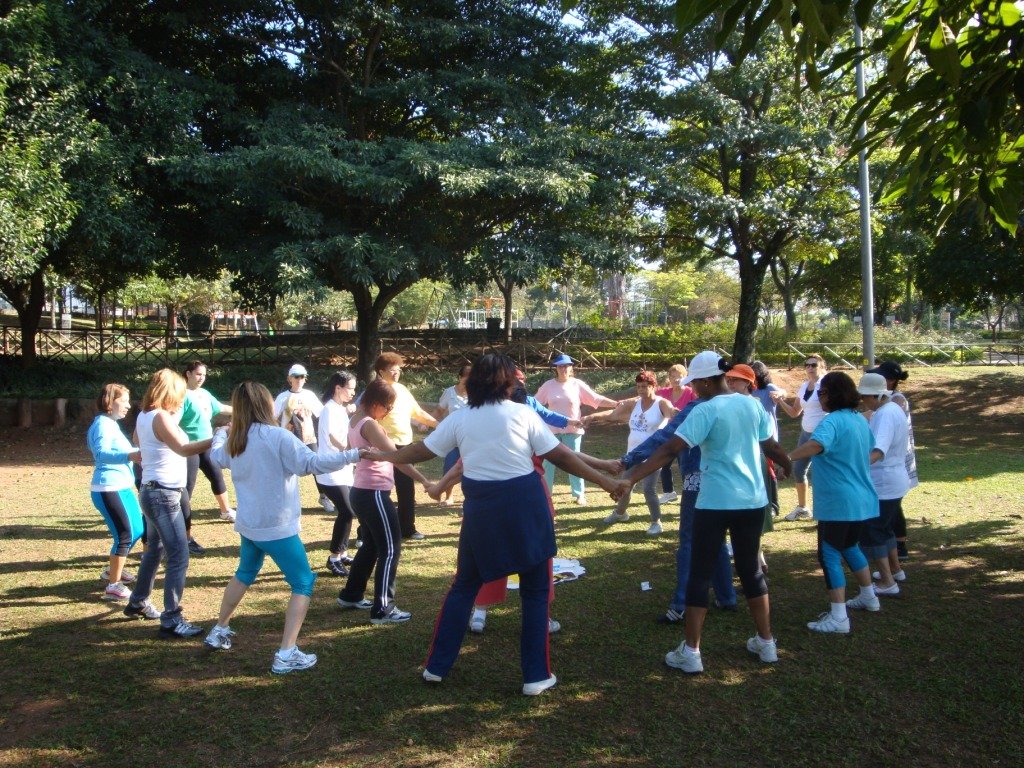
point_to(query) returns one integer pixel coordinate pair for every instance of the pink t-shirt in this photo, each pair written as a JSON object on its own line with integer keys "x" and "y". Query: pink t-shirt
{"x": 369, "y": 475}
{"x": 686, "y": 397}
{"x": 566, "y": 399}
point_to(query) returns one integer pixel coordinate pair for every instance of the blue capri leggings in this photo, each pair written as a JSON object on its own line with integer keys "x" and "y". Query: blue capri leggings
{"x": 121, "y": 511}
{"x": 288, "y": 554}
{"x": 837, "y": 541}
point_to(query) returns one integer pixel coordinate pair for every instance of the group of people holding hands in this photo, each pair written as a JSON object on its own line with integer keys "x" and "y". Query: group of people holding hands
{"x": 503, "y": 446}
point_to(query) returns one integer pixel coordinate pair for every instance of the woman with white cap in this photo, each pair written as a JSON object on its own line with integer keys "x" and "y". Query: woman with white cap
{"x": 894, "y": 374}
{"x": 732, "y": 431}
{"x": 806, "y": 405}
{"x": 565, "y": 394}
{"x": 844, "y": 498}
{"x": 889, "y": 475}
{"x": 295, "y": 409}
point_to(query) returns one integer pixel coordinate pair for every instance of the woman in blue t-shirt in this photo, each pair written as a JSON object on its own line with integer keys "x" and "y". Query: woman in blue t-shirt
{"x": 844, "y": 496}
{"x": 732, "y": 431}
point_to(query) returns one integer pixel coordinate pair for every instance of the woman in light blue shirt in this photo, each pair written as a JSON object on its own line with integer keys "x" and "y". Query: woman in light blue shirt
{"x": 113, "y": 485}
{"x": 731, "y": 431}
{"x": 844, "y": 497}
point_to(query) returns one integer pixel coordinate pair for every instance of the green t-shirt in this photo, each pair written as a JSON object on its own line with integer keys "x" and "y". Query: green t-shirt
{"x": 197, "y": 414}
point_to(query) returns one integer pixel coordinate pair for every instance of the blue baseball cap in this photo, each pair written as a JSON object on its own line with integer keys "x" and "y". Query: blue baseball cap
{"x": 562, "y": 359}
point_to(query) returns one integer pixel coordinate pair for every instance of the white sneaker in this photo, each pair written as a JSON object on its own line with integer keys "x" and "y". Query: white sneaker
{"x": 685, "y": 659}
{"x": 668, "y": 498}
{"x": 899, "y": 576}
{"x": 116, "y": 591}
{"x": 327, "y": 504}
{"x": 532, "y": 689}
{"x": 478, "y": 620}
{"x": 228, "y": 516}
{"x": 615, "y": 517}
{"x": 766, "y": 650}
{"x": 582, "y": 501}
{"x": 219, "y": 638}
{"x": 430, "y": 677}
{"x": 892, "y": 590}
{"x": 654, "y": 530}
{"x": 554, "y": 626}
{"x": 127, "y": 577}
{"x": 861, "y": 603}
{"x": 798, "y": 513}
{"x": 297, "y": 661}
{"x": 829, "y": 624}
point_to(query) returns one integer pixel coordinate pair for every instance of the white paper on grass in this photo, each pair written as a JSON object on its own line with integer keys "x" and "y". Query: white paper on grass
{"x": 562, "y": 570}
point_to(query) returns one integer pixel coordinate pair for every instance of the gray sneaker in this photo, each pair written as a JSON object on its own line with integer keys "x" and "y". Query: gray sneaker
{"x": 363, "y": 605}
{"x": 766, "y": 650}
{"x": 144, "y": 610}
{"x": 297, "y": 661}
{"x": 219, "y": 637}
{"x": 395, "y": 616}
{"x": 183, "y": 629}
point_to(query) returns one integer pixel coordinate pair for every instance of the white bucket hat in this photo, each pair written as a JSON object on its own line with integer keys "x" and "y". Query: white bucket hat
{"x": 703, "y": 366}
{"x": 872, "y": 384}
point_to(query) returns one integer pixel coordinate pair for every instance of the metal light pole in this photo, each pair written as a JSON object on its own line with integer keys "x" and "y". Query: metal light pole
{"x": 867, "y": 309}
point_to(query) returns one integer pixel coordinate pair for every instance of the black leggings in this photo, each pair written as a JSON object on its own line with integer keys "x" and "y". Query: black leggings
{"x": 202, "y": 461}
{"x": 709, "y": 528}
{"x": 339, "y": 496}
{"x": 405, "y": 493}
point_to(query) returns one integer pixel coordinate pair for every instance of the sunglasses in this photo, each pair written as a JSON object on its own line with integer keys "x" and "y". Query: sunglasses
{"x": 810, "y": 365}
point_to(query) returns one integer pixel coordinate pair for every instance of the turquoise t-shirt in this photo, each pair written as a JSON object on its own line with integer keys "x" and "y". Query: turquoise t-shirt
{"x": 843, "y": 490}
{"x": 197, "y": 414}
{"x": 729, "y": 430}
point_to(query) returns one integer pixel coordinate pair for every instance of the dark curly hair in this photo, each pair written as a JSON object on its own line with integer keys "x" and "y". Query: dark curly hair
{"x": 839, "y": 390}
{"x": 761, "y": 373}
{"x": 491, "y": 380}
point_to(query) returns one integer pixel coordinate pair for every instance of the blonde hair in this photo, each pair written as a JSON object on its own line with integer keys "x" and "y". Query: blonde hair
{"x": 678, "y": 368}
{"x": 166, "y": 391}
{"x": 819, "y": 358}
{"x": 110, "y": 393}
{"x": 251, "y": 403}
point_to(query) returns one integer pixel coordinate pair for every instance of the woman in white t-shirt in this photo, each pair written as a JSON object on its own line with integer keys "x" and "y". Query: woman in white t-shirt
{"x": 507, "y": 525}
{"x": 888, "y": 425}
{"x": 645, "y": 414}
{"x": 332, "y": 435}
{"x": 805, "y": 405}
{"x": 452, "y": 399}
{"x": 565, "y": 394}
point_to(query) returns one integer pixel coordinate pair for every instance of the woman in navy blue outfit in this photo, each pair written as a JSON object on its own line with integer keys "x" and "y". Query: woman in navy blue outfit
{"x": 506, "y": 525}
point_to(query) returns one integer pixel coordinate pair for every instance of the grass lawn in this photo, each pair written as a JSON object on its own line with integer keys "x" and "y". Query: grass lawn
{"x": 934, "y": 679}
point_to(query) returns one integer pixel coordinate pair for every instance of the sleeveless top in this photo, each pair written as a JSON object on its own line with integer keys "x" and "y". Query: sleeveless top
{"x": 643, "y": 424}
{"x": 159, "y": 463}
{"x": 370, "y": 475}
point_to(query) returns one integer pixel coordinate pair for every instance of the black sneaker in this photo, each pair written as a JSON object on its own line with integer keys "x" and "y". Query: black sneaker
{"x": 337, "y": 567}
{"x": 182, "y": 629}
{"x": 196, "y": 548}
{"x": 144, "y": 610}
{"x": 671, "y": 616}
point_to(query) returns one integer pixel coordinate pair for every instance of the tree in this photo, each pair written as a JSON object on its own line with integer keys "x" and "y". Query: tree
{"x": 671, "y": 292}
{"x": 951, "y": 98}
{"x": 755, "y": 170}
{"x": 400, "y": 142}
{"x": 973, "y": 267}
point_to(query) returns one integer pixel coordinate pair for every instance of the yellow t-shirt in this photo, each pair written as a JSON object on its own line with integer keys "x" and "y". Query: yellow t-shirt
{"x": 398, "y": 423}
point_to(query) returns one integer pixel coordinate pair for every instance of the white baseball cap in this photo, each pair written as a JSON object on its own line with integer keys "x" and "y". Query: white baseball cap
{"x": 297, "y": 370}
{"x": 873, "y": 384}
{"x": 704, "y": 366}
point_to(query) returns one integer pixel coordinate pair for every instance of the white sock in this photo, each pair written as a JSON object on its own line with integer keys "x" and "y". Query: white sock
{"x": 868, "y": 592}
{"x": 334, "y": 558}
{"x": 480, "y": 613}
{"x": 899, "y": 575}
{"x": 839, "y": 611}
{"x": 286, "y": 653}
{"x": 693, "y": 650}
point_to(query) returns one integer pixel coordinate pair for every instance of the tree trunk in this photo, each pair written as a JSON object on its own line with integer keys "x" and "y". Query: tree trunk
{"x": 506, "y": 289}
{"x": 785, "y": 281}
{"x": 30, "y": 312}
{"x": 752, "y": 274}
{"x": 369, "y": 311}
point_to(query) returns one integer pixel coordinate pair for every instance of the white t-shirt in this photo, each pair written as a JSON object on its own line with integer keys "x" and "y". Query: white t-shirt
{"x": 310, "y": 402}
{"x": 452, "y": 401}
{"x": 643, "y": 424}
{"x": 497, "y": 441}
{"x": 813, "y": 413}
{"x": 889, "y": 474}
{"x": 334, "y": 423}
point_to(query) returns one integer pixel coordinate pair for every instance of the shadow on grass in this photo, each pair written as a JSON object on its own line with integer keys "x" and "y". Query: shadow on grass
{"x": 616, "y": 703}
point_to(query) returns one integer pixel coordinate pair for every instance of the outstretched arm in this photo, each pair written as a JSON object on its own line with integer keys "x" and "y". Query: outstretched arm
{"x": 565, "y": 459}
{"x": 777, "y": 454}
